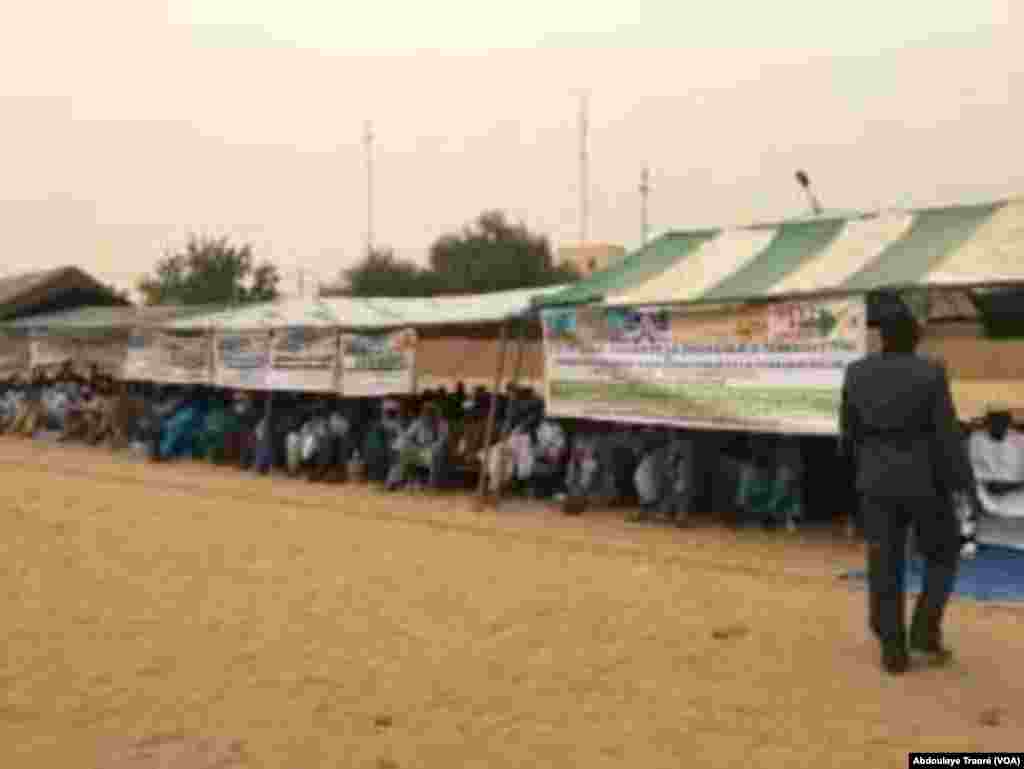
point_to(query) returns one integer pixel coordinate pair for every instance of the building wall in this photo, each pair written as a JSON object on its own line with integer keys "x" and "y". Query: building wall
{"x": 591, "y": 257}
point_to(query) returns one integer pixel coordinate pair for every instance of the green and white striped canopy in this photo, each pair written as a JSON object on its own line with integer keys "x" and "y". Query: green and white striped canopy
{"x": 954, "y": 247}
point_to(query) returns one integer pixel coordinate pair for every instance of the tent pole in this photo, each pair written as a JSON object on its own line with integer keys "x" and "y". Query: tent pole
{"x": 493, "y": 414}
{"x": 520, "y": 343}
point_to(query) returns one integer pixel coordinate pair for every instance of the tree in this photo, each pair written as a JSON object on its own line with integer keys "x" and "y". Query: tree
{"x": 210, "y": 271}
{"x": 489, "y": 255}
{"x": 381, "y": 273}
{"x": 494, "y": 255}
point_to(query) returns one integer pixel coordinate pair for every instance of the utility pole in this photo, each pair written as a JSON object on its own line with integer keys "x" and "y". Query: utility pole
{"x": 584, "y": 169}
{"x": 368, "y": 146}
{"x": 645, "y": 190}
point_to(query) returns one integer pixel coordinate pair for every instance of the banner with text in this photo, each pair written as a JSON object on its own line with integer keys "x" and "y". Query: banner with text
{"x": 154, "y": 356}
{"x": 304, "y": 359}
{"x": 14, "y": 356}
{"x": 242, "y": 359}
{"x": 378, "y": 364}
{"x": 772, "y": 368}
{"x": 50, "y": 351}
{"x": 105, "y": 354}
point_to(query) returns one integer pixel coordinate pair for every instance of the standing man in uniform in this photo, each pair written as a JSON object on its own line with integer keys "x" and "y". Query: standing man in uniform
{"x": 898, "y": 426}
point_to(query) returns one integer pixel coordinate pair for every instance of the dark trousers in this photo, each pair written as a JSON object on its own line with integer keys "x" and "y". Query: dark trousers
{"x": 887, "y": 523}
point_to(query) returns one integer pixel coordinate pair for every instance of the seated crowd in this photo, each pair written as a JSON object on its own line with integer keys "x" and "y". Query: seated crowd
{"x": 437, "y": 439}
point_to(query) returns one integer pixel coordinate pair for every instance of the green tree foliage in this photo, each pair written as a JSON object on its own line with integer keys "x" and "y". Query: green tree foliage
{"x": 381, "y": 273}
{"x": 491, "y": 254}
{"x": 210, "y": 271}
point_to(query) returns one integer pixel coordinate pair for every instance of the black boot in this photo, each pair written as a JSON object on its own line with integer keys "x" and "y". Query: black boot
{"x": 894, "y": 658}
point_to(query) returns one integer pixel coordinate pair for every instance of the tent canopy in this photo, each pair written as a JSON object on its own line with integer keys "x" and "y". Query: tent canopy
{"x": 105, "y": 318}
{"x": 952, "y": 247}
{"x": 357, "y": 313}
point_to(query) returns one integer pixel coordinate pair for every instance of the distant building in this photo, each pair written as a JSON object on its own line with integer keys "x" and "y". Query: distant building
{"x": 46, "y": 291}
{"x": 591, "y": 257}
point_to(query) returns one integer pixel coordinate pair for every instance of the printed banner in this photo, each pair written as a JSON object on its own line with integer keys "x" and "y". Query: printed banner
{"x": 242, "y": 359}
{"x": 14, "y": 356}
{"x": 378, "y": 364}
{"x": 154, "y": 356}
{"x": 770, "y": 368}
{"x": 106, "y": 354}
{"x": 50, "y": 351}
{"x": 304, "y": 359}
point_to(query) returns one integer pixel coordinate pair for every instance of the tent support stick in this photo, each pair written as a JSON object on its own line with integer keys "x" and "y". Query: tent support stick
{"x": 493, "y": 413}
{"x": 520, "y": 342}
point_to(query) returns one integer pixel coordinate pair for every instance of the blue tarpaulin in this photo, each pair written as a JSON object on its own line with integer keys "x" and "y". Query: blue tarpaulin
{"x": 995, "y": 574}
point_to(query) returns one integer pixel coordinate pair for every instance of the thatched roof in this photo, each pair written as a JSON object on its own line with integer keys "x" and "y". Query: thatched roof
{"x": 47, "y": 291}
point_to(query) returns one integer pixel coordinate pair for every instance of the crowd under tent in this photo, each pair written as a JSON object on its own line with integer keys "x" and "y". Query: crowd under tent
{"x": 960, "y": 267}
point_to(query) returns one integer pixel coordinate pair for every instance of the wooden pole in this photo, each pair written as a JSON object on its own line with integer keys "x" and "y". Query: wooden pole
{"x": 520, "y": 346}
{"x": 492, "y": 415}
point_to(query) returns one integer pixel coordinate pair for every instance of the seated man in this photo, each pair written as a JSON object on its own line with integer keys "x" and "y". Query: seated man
{"x": 178, "y": 433}
{"x": 81, "y": 416}
{"x": 424, "y": 446}
{"x": 221, "y": 420}
{"x": 301, "y": 443}
{"x": 601, "y": 468}
{"x": 336, "y": 444}
{"x": 997, "y": 459}
{"x": 665, "y": 479}
{"x": 31, "y": 411}
{"x": 378, "y": 449}
{"x": 769, "y": 488}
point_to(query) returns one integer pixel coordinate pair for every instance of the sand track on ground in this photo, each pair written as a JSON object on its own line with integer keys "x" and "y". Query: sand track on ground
{"x": 338, "y": 626}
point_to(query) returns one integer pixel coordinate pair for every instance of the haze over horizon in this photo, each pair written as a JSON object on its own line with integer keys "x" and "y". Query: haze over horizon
{"x": 130, "y": 125}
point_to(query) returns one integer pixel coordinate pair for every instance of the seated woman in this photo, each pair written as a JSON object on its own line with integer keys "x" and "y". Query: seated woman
{"x": 997, "y": 459}
{"x": 424, "y": 446}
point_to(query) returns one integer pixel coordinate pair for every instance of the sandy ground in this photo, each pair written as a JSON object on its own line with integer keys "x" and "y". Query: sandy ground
{"x": 330, "y": 626}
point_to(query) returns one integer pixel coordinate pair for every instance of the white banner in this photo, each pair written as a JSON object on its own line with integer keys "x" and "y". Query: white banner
{"x": 106, "y": 354}
{"x": 241, "y": 359}
{"x": 14, "y": 356}
{"x": 768, "y": 368}
{"x": 51, "y": 351}
{"x": 303, "y": 359}
{"x": 378, "y": 364}
{"x": 154, "y": 356}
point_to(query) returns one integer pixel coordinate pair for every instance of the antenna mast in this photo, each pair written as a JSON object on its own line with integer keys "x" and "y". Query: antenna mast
{"x": 584, "y": 169}
{"x": 368, "y": 146}
{"x": 645, "y": 190}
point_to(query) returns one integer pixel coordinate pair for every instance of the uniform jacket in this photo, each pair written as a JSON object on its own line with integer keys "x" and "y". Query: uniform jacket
{"x": 899, "y": 427}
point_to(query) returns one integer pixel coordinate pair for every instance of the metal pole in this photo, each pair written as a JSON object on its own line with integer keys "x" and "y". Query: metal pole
{"x": 645, "y": 188}
{"x": 368, "y": 143}
{"x": 507, "y": 426}
{"x": 584, "y": 169}
{"x": 493, "y": 413}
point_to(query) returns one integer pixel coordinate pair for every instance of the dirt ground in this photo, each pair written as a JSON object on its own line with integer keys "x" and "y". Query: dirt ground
{"x": 332, "y": 626}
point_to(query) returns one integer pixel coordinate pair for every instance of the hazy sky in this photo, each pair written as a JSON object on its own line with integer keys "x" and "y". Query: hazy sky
{"x": 129, "y": 123}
